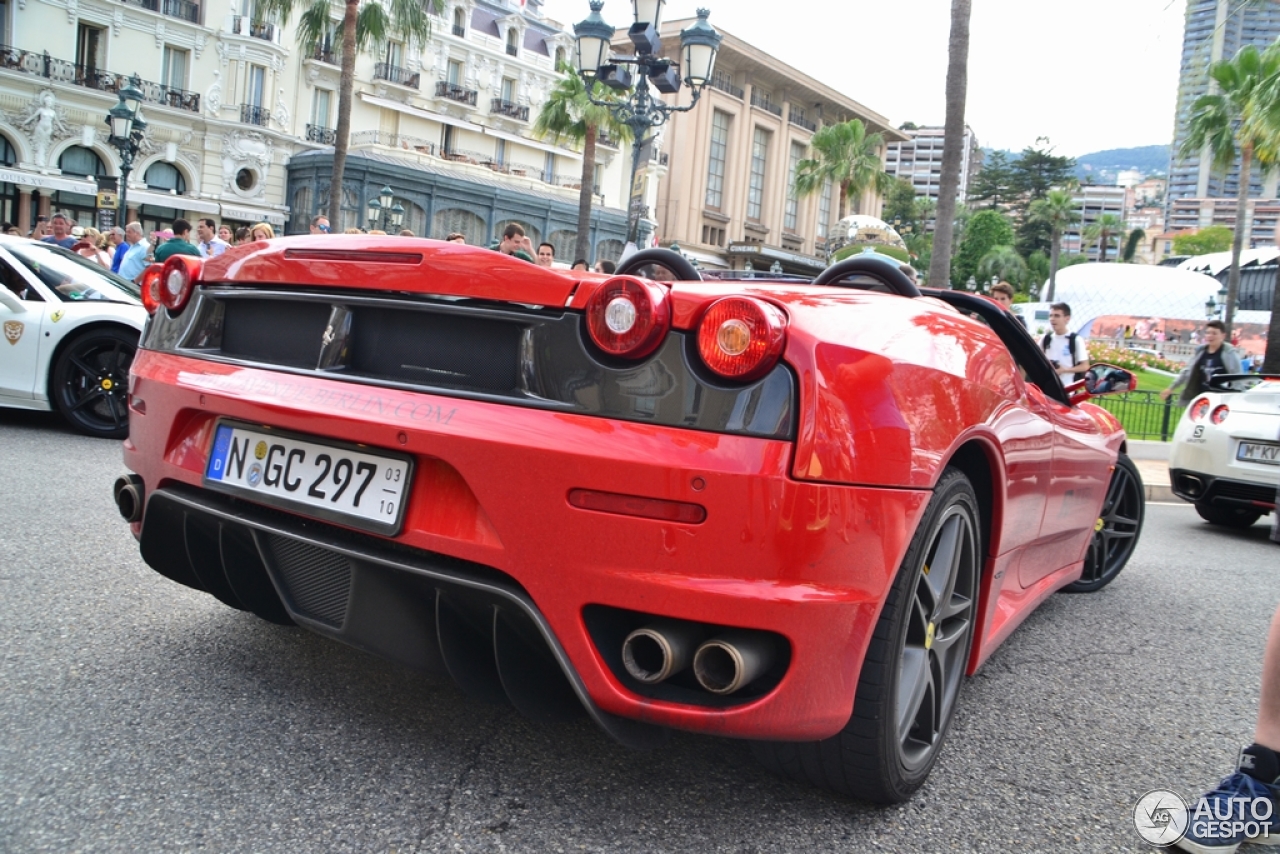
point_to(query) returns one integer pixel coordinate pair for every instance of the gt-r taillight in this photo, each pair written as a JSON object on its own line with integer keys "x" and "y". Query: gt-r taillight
{"x": 150, "y": 284}
{"x": 741, "y": 338}
{"x": 1220, "y": 413}
{"x": 178, "y": 279}
{"x": 628, "y": 317}
{"x": 1199, "y": 409}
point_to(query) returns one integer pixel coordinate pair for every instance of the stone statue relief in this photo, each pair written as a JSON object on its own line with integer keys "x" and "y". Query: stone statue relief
{"x": 46, "y": 122}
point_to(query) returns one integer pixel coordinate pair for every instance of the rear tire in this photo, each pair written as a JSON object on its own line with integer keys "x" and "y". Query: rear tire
{"x": 1228, "y": 517}
{"x": 914, "y": 667}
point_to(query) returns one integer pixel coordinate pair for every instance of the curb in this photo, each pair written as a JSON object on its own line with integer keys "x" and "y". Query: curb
{"x": 1161, "y": 493}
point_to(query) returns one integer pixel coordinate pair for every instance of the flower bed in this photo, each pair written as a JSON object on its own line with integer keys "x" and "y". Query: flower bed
{"x": 1101, "y": 351}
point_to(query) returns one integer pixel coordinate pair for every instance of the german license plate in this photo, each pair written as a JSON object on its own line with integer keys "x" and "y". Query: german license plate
{"x": 1259, "y": 452}
{"x": 327, "y": 480}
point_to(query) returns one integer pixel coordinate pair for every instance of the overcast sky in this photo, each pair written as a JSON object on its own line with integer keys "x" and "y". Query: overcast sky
{"x": 1088, "y": 74}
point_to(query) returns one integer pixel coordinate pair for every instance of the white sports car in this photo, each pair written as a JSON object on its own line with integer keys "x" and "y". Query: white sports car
{"x": 70, "y": 331}
{"x": 1226, "y": 450}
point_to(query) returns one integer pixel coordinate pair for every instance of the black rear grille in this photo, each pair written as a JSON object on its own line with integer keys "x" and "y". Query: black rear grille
{"x": 317, "y": 581}
{"x": 1244, "y": 491}
{"x": 274, "y": 331}
{"x": 436, "y": 349}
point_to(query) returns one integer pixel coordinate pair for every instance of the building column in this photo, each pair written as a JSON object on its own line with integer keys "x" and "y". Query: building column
{"x": 24, "y": 210}
{"x": 46, "y": 205}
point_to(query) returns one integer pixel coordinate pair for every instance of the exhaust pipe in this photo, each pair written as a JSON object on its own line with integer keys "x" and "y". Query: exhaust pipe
{"x": 659, "y": 650}
{"x": 128, "y": 491}
{"x": 1191, "y": 485}
{"x": 732, "y": 661}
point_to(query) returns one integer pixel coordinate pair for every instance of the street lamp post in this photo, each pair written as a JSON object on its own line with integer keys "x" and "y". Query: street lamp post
{"x": 127, "y": 130}
{"x": 384, "y": 215}
{"x": 640, "y": 110}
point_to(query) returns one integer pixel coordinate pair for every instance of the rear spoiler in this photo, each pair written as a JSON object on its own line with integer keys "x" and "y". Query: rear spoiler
{"x": 1239, "y": 382}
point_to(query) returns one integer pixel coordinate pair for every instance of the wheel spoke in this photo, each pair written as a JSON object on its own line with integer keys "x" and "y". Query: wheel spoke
{"x": 913, "y": 685}
{"x": 117, "y": 417}
{"x": 90, "y": 396}
{"x": 83, "y": 366}
{"x": 940, "y": 573}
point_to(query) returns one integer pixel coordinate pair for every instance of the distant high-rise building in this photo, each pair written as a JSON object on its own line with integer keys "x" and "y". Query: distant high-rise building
{"x": 1215, "y": 30}
{"x": 919, "y": 160}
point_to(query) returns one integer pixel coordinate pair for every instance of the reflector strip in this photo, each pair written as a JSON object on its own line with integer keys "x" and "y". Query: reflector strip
{"x": 634, "y": 505}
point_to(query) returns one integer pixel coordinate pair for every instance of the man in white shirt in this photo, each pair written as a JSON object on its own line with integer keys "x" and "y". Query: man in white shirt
{"x": 135, "y": 257}
{"x": 1067, "y": 351}
{"x": 210, "y": 245}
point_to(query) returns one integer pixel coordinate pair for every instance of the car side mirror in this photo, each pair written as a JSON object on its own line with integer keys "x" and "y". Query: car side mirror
{"x": 1102, "y": 379}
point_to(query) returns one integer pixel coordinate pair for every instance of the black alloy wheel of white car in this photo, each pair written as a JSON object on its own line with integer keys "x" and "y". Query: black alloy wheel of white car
{"x": 90, "y": 383}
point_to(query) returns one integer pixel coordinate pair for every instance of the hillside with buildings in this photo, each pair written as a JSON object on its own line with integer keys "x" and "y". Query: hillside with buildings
{"x": 1104, "y": 167}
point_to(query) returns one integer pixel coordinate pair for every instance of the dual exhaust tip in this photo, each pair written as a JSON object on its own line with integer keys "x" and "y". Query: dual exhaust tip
{"x": 722, "y": 665}
{"x": 128, "y": 493}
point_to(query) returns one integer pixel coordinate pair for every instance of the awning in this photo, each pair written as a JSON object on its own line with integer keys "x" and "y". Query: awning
{"x": 253, "y": 214}
{"x": 164, "y": 200}
{"x": 421, "y": 114}
{"x": 541, "y": 146}
{"x": 47, "y": 182}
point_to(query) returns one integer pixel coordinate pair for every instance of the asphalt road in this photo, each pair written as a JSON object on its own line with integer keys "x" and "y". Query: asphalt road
{"x": 139, "y": 716}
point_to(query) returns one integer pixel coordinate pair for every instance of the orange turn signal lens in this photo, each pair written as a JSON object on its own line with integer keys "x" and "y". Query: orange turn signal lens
{"x": 741, "y": 338}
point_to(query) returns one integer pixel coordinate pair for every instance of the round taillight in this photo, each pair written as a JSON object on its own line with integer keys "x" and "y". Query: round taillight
{"x": 741, "y": 338}
{"x": 150, "y": 285}
{"x": 178, "y": 278}
{"x": 628, "y": 317}
{"x": 1220, "y": 413}
{"x": 1199, "y": 409}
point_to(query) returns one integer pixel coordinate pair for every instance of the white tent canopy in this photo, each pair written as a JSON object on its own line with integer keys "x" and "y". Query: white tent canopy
{"x": 1098, "y": 290}
{"x": 1215, "y": 262}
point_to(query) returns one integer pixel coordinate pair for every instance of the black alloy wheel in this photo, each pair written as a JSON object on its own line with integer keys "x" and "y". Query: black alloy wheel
{"x": 1115, "y": 533}
{"x": 914, "y": 668}
{"x": 90, "y": 383}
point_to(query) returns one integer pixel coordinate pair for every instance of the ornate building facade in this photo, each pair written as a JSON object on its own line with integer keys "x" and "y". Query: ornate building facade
{"x": 240, "y": 123}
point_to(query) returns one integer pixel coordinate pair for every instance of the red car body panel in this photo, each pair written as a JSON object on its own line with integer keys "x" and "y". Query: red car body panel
{"x": 801, "y": 537}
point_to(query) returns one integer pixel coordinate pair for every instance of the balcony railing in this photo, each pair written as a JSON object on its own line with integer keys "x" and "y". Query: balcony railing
{"x": 65, "y": 71}
{"x": 325, "y": 55}
{"x": 606, "y": 140}
{"x": 322, "y": 135}
{"x": 393, "y": 140}
{"x": 243, "y": 26}
{"x": 173, "y": 8}
{"x": 503, "y": 107}
{"x": 395, "y": 74}
{"x": 252, "y": 115}
{"x": 796, "y": 117}
{"x": 724, "y": 83}
{"x": 455, "y": 92}
{"x": 459, "y": 30}
{"x": 512, "y": 50}
{"x": 763, "y": 102}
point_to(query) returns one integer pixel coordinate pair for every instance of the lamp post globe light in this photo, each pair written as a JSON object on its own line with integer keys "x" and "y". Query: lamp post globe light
{"x": 639, "y": 109}
{"x": 127, "y": 130}
{"x": 383, "y": 214}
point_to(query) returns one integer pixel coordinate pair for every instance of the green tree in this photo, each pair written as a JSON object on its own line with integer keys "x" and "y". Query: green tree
{"x": 1037, "y": 268}
{"x": 957, "y": 88}
{"x": 1004, "y": 263}
{"x": 1104, "y": 229}
{"x": 1037, "y": 171}
{"x": 1242, "y": 117}
{"x": 1057, "y": 211}
{"x": 847, "y": 156}
{"x": 987, "y": 229}
{"x": 899, "y": 203}
{"x": 993, "y": 185}
{"x": 569, "y": 114}
{"x": 1215, "y": 238}
{"x": 1131, "y": 245}
{"x": 364, "y": 23}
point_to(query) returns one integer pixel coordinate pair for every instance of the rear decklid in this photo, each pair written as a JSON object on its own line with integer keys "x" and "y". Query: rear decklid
{"x": 385, "y": 263}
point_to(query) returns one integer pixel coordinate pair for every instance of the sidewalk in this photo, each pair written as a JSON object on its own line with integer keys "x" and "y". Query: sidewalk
{"x": 1152, "y": 460}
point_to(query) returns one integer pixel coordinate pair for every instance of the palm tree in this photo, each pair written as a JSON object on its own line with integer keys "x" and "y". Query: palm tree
{"x": 1104, "y": 229}
{"x": 952, "y": 142}
{"x": 363, "y": 23}
{"x": 569, "y": 114}
{"x": 1058, "y": 210}
{"x": 1241, "y": 118}
{"x": 1003, "y": 262}
{"x": 847, "y": 156}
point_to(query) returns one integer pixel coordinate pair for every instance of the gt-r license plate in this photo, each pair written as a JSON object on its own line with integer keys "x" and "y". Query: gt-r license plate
{"x": 329, "y": 481}
{"x": 1259, "y": 452}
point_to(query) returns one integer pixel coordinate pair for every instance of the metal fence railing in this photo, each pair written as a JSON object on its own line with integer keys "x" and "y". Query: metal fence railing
{"x": 1143, "y": 414}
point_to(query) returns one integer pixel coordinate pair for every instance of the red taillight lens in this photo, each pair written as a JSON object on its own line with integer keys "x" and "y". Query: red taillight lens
{"x": 741, "y": 338}
{"x": 1220, "y": 413}
{"x": 150, "y": 284}
{"x": 628, "y": 317}
{"x": 178, "y": 278}
{"x": 1199, "y": 409}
